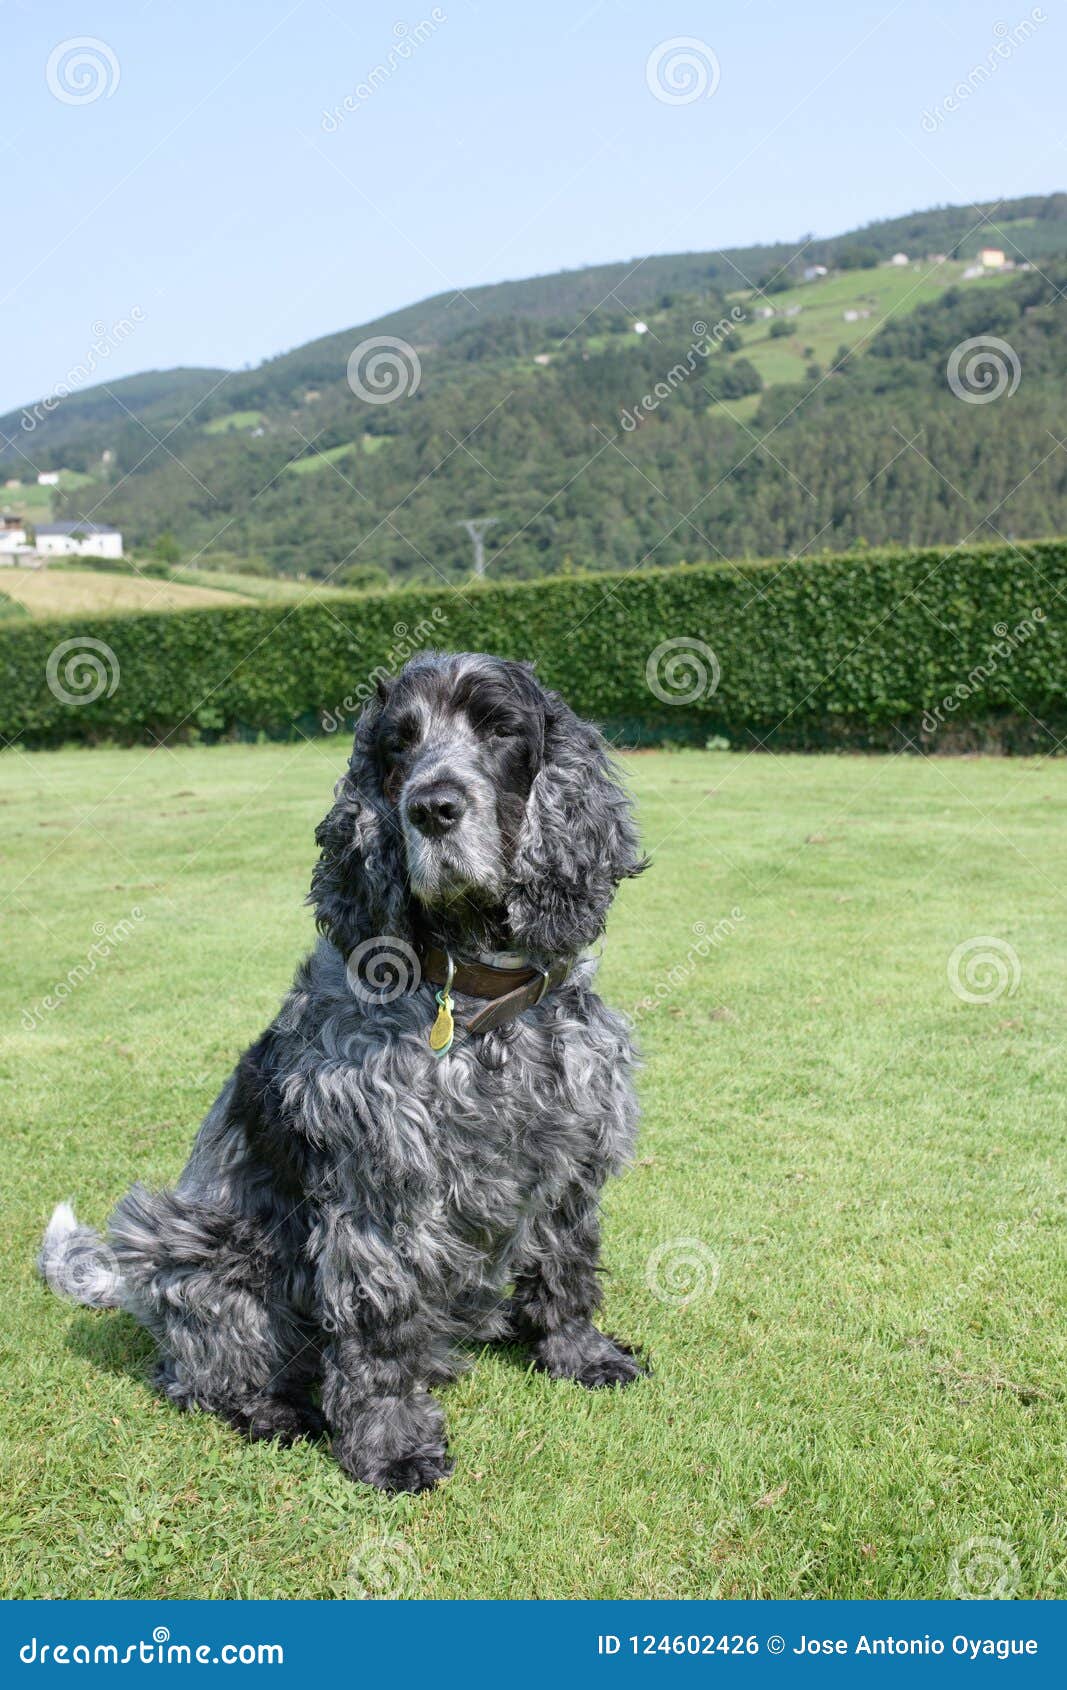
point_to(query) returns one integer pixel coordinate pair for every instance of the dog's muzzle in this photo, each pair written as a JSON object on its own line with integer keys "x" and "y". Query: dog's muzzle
{"x": 435, "y": 807}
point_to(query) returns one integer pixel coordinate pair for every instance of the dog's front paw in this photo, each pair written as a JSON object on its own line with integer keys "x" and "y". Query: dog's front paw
{"x": 588, "y": 1357}
{"x": 412, "y": 1473}
{"x": 281, "y": 1420}
{"x": 618, "y": 1369}
{"x": 416, "y": 1472}
{"x": 396, "y": 1444}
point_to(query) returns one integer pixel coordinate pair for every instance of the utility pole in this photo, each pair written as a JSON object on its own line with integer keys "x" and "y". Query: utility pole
{"x": 477, "y": 528}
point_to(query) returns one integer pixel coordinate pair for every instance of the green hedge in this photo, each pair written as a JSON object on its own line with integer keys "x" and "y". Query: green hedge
{"x": 846, "y": 650}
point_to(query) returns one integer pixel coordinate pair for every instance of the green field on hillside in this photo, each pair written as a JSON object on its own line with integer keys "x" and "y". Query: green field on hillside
{"x": 233, "y": 419}
{"x": 883, "y": 293}
{"x": 841, "y": 1243}
{"x": 36, "y": 504}
{"x": 318, "y": 461}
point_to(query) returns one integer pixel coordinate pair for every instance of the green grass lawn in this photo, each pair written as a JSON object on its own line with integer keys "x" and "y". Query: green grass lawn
{"x": 848, "y": 1195}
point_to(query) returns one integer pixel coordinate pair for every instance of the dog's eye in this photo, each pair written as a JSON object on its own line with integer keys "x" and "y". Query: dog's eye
{"x": 400, "y": 738}
{"x": 502, "y": 730}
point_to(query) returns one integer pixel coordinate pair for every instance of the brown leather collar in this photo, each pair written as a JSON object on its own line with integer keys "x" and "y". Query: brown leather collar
{"x": 509, "y": 990}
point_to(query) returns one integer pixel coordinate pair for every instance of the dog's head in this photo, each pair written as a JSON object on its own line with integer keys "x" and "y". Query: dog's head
{"x": 475, "y": 804}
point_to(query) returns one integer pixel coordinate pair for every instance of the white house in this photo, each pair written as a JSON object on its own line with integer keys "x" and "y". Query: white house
{"x": 15, "y": 552}
{"x": 813, "y": 272}
{"x": 67, "y": 539}
{"x": 992, "y": 258}
{"x": 12, "y": 537}
{"x": 48, "y": 478}
{"x": 900, "y": 259}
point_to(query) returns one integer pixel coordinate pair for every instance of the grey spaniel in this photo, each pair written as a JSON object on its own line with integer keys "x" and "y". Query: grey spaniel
{"x": 410, "y": 1159}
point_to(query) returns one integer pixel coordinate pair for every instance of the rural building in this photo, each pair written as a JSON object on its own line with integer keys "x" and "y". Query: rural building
{"x": 812, "y": 272}
{"x": 900, "y": 259}
{"x": 67, "y": 539}
{"x": 15, "y": 553}
{"x": 992, "y": 258}
{"x": 48, "y": 478}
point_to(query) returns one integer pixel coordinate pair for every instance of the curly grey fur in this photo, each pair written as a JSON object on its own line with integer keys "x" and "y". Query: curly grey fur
{"x": 355, "y": 1209}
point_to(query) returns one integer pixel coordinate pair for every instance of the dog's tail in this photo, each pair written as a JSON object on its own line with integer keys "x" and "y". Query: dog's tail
{"x": 77, "y": 1263}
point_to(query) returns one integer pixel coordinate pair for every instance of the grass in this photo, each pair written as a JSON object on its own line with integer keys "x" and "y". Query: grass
{"x": 875, "y": 1166}
{"x": 283, "y": 589}
{"x": 98, "y": 592}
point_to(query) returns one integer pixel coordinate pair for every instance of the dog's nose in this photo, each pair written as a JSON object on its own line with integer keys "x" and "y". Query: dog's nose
{"x": 436, "y": 809}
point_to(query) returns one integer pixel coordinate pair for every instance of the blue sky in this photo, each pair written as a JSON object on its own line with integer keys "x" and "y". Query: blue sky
{"x": 203, "y": 193}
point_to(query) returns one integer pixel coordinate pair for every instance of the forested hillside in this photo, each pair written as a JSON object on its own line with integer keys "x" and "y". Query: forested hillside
{"x": 609, "y": 417}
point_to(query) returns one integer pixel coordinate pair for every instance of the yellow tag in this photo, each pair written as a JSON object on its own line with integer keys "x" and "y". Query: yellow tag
{"x": 443, "y": 1030}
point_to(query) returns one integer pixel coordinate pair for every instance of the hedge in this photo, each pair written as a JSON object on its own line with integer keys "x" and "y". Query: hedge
{"x": 943, "y": 648}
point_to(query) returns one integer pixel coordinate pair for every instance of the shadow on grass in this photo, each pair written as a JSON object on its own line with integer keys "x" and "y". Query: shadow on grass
{"x": 114, "y": 1343}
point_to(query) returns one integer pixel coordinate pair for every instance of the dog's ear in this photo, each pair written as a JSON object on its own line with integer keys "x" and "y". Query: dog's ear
{"x": 358, "y": 887}
{"x": 577, "y": 842}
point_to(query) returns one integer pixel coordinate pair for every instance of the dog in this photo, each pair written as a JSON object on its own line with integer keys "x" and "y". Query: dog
{"x": 409, "y": 1161}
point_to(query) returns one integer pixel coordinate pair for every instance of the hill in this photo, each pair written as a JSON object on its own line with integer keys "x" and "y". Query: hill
{"x": 81, "y": 421}
{"x": 536, "y": 405}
